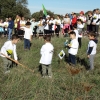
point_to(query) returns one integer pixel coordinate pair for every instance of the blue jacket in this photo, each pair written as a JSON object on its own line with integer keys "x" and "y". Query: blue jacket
{"x": 11, "y": 24}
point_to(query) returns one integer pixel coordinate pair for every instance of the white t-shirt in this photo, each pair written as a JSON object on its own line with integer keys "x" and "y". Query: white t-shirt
{"x": 6, "y": 25}
{"x": 8, "y": 46}
{"x": 58, "y": 21}
{"x": 94, "y": 45}
{"x": 77, "y": 34}
{"x": 74, "y": 47}
{"x": 96, "y": 17}
{"x": 80, "y": 27}
{"x": 28, "y": 33}
{"x": 46, "y": 53}
{"x": 53, "y": 22}
{"x": 47, "y": 26}
{"x": 22, "y": 23}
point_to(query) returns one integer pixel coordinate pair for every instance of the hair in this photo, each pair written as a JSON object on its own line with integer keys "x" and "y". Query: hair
{"x": 79, "y": 20}
{"x": 15, "y": 36}
{"x": 47, "y": 38}
{"x": 28, "y": 23}
{"x": 72, "y": 33}
{"x": 92, "y": 34}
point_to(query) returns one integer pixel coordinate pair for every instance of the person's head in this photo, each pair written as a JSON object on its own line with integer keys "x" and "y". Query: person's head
{"x": 92, "y": 35}
{"x": 47, "y": 38}
{"x": 72, "y": 35}
{"x": 81, "y": 13}
{"x": 10, "y": 19}
{"x": 47, "y": 17}
{"x": 33, "y": 19}
{"x": 58, "y": 16}
{"x": 90, "y": 13}
{"x": 23, "y": 18}
{"x": 79, "y": 21}
{"x": 97, "y": 11}
{"x": 66, "y": 16}
{"x": 74, "y": 15}
{"x": 52, "y": 18}
{"x": 28, "y": 24}
{"x": 15, "y": 38}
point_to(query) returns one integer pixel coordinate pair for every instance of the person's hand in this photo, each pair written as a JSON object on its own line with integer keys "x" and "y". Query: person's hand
{"x": 93, "y": 23}
{"x": 88, "y": 56}
{"x": 16, "y": 62}
{"x": 69, "y": 45}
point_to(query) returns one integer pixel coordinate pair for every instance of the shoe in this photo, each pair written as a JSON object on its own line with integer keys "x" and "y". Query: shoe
{"x": 50, "y": 76}
{"x": 7, "y": 72}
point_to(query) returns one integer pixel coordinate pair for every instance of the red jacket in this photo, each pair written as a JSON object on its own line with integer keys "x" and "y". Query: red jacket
{"x": 74, "y": 20}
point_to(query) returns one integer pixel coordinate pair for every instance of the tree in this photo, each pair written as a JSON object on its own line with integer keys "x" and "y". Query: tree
{"x": 14, "y": 7}
{"x": 39, "y": 14}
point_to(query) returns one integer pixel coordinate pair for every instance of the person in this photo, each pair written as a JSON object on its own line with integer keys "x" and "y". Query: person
{"x": 10, "y": 28}
{"x": 22, "y": 24}
{"x": 58, "y": 24}
{"x": 96, "y": 21}
{"x": 67, "y": 23}
{"x": 16, "y": 21}
{"x": 89, "y": 19}
{"x": 6, "y": 27}
{"x": 40, "y": 27}
{"x": 27, "y": 36}
{"x": 52, "y": 26}
{"x": 73, "y": 49}
{"x": 46, "y": 26}
{"x": 34, "y": 27}
{"x": 76, "y": 30}
{"x": 9, "y": 49}
{"x": 46, "y": 56}
{"x": 91, "y": 51}
{"x": 74, "y": 20}
{"x": 1, "y": 28}
{"x": 80, "y": 27}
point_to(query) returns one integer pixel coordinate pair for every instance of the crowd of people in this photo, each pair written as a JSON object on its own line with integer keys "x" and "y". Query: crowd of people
{"x": 70, "y": 24}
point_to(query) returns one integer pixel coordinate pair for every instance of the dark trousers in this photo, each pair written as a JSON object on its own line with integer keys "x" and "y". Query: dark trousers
{"x": 89, "y": 28}
{"x": 27, "y": 44}
{"x": 72, "y": 59}
{"x": 80, "y": 42}
{"x": 57, "y": 30}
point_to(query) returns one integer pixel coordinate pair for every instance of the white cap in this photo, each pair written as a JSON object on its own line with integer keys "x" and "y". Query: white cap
{"x": 47, "y": 16}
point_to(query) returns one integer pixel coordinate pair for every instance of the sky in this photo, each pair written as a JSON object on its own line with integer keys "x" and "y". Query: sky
{"x": 63, "y": 6}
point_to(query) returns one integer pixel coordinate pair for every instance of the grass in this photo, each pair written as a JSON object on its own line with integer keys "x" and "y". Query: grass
{"x": 22, "y": 84}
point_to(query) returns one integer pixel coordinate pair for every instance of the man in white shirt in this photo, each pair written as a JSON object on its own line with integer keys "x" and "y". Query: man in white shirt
{"x": 46, "y": 56}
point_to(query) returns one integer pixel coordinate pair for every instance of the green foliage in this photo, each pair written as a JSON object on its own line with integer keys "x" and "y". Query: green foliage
{"x": 14, "y": 7}
{"x": 39, "y": 14}
{"x": 22, "y": 84}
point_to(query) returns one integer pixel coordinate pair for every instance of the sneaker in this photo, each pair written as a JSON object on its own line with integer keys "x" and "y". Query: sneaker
{"x": 7, "y": 72}
{"x": 50, "y": 76}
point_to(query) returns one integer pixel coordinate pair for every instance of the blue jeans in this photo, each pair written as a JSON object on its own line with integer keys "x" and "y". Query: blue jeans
{"x": 26, "y": 44}
{"x": 72, "y": 59}
{"x": 9, "y": 33}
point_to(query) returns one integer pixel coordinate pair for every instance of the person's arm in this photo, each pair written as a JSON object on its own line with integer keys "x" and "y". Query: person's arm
{"x": 90, "y": 48}
{"x": 42, "y": 50}
{"x": 15, "y": 54}
{"x": 4, "y": 48}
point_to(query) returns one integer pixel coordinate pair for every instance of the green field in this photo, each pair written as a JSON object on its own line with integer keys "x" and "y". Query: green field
{"x": 21, "y": 84}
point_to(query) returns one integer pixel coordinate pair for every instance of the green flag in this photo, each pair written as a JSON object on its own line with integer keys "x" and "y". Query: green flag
{"x": 44, "y": 10}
